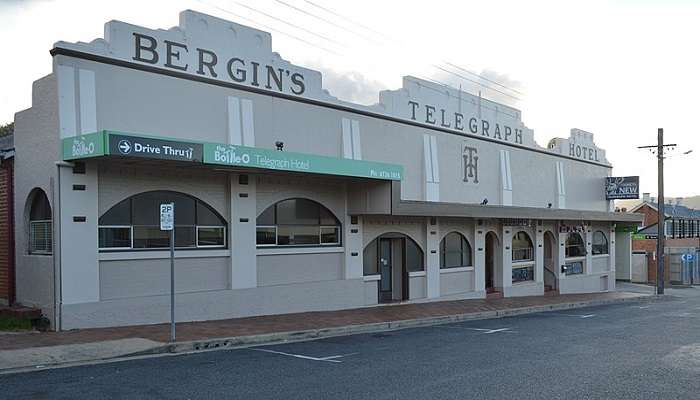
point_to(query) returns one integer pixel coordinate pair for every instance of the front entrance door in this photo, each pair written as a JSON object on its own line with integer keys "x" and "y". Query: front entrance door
{"x": 393, "y": 283}
{"x": 385, "y": 266}
{"x": 489, "y": 263}
{"x": 550, "y": 260}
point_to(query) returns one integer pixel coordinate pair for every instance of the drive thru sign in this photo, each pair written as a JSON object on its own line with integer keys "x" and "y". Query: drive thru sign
{"x": 167, "y": 223}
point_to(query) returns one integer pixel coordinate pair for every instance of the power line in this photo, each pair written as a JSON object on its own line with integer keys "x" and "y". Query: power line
{"x": 270, "y": 28}
{"x": 331, "y": 23}
{"x": 476, "y": 82}
{"x": 481, "y": 77}
{"x": 344, "y": 18}
{"x": 440, "y": 68}
{"x": 292, "y": 25}
{"x": 463, "y": 100}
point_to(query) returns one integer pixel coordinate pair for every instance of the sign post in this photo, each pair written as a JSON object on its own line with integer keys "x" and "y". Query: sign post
{"x": 167, "y": 223}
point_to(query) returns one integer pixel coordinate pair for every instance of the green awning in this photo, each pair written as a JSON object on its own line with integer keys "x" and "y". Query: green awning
{"x": 119, "y": 144}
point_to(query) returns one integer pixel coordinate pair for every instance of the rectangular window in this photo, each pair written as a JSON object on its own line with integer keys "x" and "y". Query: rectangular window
{"x": 266, "y": 236}
{"x": 40, "y": 237}
{"x": 149, "y": 237}
{"x": 574, "y": 268}
{"x": 211, "y": 236}
{"x": 184, "y": 236}
{"x": 295, "y": 235}
{"x": 523, "y": 274}
{"x": 114, "y": 237}
{"x": 330, "y": 235}
{"x": 523, "y": 254}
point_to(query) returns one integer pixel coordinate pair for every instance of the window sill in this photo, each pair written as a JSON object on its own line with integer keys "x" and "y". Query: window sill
{"x": 573, "y": 259}
{"x": 520, "y": 264}
{"x": 416, "y": 274}
{"x": 600, "y": 255}
{"x": 525, "y": 283}
{"x": 372, "y": 278}
{"x": 160, "y": 254}
{"x": 276, "y": 251}
{"x": 455, "y": 270}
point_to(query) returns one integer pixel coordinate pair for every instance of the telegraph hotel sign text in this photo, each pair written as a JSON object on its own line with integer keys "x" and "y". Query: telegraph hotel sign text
{"x": 437, "y": 116}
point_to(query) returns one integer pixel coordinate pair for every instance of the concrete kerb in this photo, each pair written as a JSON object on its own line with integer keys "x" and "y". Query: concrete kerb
{"x": 314, "y": 334}
{"x": 235, "y": 342}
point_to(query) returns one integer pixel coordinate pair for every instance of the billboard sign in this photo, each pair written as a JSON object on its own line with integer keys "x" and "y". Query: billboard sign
{"x": 621, "y": 187}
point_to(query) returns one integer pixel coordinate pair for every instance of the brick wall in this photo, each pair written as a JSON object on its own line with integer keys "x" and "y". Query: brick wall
{"x": 6, "y": 230}
{"x": 651, "y": 216}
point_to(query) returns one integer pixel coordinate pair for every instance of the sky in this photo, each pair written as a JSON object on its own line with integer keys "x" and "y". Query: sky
{"x": 620, "y": 69}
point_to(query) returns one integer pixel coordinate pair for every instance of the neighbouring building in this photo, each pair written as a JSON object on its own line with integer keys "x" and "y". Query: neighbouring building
{"x": 286, "y": 198}
{"x": 681, "y": 235}
{"x": 7, "y": 250}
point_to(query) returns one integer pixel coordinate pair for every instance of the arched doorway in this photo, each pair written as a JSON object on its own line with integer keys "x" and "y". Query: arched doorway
{"x": 550, "y": 262}
{"x": 492, "y": 274}
{"x": 392, "y": 256}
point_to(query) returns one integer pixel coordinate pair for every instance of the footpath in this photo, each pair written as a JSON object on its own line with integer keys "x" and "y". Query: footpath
{"x": 34, "y": 350}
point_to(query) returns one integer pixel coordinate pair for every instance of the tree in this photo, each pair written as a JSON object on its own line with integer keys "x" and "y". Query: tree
{"x": 7, "y": 129}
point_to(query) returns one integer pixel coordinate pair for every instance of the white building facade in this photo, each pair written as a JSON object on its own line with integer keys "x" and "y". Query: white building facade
{"x": 430, "y": 194}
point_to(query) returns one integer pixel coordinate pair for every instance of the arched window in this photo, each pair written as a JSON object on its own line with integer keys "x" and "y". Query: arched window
{"x": 40, "y": 228}
{"x": 600, "y": 243}
{"x": 134, "y": 223}
{"x": 297, "y": 222}
{"x": 574, "y": 245}
{"x": 522, "y": 247}
{"x": 455, "y": 251}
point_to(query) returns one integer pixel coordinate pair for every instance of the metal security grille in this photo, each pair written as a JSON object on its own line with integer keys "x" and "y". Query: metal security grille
{"x": 40, "y": 236}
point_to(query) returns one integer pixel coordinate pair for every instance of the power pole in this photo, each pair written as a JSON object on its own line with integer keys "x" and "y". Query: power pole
{"x": 661, "y": 224}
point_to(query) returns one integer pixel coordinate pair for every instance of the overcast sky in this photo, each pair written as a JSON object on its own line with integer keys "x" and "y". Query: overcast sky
{"x": 619, "y": 69}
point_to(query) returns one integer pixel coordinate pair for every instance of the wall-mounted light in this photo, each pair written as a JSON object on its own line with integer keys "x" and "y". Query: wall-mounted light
{"x": 280, "y": 145}
{"x": 485, "y": 202}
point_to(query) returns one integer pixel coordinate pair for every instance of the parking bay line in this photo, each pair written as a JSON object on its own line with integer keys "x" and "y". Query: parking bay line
{"x": 333, "y": 359}
{"x": 582, "y": 316}
{"x": 482, "y": 330}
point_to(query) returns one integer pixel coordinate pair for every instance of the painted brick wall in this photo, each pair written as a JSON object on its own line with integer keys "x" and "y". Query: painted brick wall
{"x": 5, "y": 231}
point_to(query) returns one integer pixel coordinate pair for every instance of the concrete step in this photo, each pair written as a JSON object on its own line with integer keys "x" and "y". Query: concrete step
{"x": 20, "y": 312}
{"x": 494, "y": 295}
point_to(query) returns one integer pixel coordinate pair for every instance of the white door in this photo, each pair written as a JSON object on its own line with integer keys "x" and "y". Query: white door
{"x": 639, "y": 268}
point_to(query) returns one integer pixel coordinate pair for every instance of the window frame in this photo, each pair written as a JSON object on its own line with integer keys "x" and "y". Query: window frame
{"x": 131, "y": 237}
{"x": 463, "y": 240}
{"x": 531, "y": 250}
{"x": 319, "y": 225}
{"x": 594, "y": 244}
{"x": 567, "y": 246}
{"x": 209, "y": 246}
{"x": 48, "y": 223}
{"x": 196, "y": 227}
{"x": 527, "y": 265}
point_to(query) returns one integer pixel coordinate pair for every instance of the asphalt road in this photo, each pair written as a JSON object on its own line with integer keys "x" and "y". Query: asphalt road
{"x": 645, "y": 350}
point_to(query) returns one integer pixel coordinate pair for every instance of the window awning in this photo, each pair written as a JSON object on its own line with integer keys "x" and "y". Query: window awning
{"x": 127, "y": 145}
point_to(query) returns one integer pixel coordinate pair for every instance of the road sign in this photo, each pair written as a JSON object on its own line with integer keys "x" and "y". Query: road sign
{"x": 167, "y": 223}
{"x": 687, "y": 257}
{"x": 167, "y": 216}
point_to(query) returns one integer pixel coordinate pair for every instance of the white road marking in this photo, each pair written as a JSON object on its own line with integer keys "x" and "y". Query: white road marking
{"x": 643, "y": 307}
{"x": 490, "y": 331}
{"x": 482, "y": 330}
{"x": 332, "y": 359}
{"x": 583, "y": 316}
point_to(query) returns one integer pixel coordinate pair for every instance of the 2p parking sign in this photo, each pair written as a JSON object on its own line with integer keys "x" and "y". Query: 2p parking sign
{"x": 167, "y": 216}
